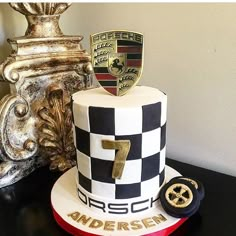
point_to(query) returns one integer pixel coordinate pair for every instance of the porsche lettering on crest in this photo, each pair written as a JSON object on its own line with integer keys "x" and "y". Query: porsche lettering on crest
{"x": 117, "y": 58}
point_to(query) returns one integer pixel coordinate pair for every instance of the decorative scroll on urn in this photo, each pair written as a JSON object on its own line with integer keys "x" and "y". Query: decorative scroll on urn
{"x": 44, "y": 69}
{"x": 55, "y": 133}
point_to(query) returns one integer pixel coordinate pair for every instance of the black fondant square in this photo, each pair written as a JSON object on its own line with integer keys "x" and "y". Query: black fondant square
{"x": 85, "y": 182}
{"x": 151, "y": 116}
{"x": 102, "y": 120}
{"x": 136, "y": 145}
{"x": 150, "y": 166}
{"x": 82, "y": 141}
{"x": 102, "y": 170}
{"x": 126, "y": 191}
{"x": 163, "y": 136}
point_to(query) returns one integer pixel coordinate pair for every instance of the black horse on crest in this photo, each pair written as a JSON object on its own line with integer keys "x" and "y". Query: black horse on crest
{"x": 117, "y": 65}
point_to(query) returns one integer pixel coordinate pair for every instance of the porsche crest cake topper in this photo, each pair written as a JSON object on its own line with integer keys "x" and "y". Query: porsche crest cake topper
{"x": 117, "y": 59}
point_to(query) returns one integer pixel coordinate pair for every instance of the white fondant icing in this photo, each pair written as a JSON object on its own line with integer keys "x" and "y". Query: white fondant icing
{"x": 96, "y": 149}
{"x": 74, "y": 135}
{"x": 132, "y": 172}
{"x": 138, "y": 96}
{"x": 162, "y": 159}
{"x": 83, "y": 161}
{"x": 103, "y": 189}
{"x": 128, "y": 121}
{"x": 150, "y": 187}
{"x": 81, "y": 120}
{"x": 151, "y": 142}
{"x": 163, "y": 110}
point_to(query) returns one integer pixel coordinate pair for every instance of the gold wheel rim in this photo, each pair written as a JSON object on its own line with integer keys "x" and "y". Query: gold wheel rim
{"x": 179, "y": 195}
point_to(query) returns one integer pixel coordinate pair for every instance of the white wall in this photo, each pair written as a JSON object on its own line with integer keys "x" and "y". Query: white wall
{"x": 190, "y": 53}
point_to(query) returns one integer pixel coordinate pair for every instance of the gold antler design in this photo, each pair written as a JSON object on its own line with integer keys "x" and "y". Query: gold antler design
{"x": 124, "y": 86}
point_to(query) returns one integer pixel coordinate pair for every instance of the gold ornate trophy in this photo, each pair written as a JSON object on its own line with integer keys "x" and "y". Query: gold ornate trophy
{"x": 44, "y": 69}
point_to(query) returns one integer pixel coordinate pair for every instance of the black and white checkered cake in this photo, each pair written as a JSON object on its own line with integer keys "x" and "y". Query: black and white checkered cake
{"x": 139, "y": 116}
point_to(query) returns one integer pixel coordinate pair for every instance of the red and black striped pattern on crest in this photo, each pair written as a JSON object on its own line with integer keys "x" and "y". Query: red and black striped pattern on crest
{"x": 133, "y": 50}
{"x": 106, "y": 80}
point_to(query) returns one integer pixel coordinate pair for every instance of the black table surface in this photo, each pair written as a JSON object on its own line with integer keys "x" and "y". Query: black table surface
{"x": 25, "y": 208}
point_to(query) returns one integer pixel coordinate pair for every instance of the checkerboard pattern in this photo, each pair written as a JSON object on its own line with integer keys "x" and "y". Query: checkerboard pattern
{"x": 144, "y": 126}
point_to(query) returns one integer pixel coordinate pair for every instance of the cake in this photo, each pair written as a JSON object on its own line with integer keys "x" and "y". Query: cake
{"x": 120, "y": 141}
{"x": 138, "y": 118}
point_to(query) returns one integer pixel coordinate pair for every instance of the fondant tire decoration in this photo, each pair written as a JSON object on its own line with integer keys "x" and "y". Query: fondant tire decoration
{"x": 179, "y": 198}
{"x": 196, "y": 183}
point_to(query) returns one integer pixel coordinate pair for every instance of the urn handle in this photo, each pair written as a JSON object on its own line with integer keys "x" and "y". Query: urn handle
{"x": 17, "y": 138}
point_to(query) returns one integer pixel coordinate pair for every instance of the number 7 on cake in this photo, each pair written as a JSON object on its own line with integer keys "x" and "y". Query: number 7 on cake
{"x": 123, "y": 147}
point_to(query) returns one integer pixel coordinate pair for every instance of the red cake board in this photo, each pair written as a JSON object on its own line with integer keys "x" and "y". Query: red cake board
{"x": 79, "y": 220}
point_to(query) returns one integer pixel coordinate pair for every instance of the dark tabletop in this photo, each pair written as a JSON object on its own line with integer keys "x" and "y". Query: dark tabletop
{"x": 25, "y": 206}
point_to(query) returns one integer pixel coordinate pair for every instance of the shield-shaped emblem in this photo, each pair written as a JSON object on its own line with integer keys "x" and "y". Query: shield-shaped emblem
{"x": 117, "y": 58}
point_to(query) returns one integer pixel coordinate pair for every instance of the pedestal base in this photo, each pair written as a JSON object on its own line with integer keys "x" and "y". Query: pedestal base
{"x": 74, "y": 217}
